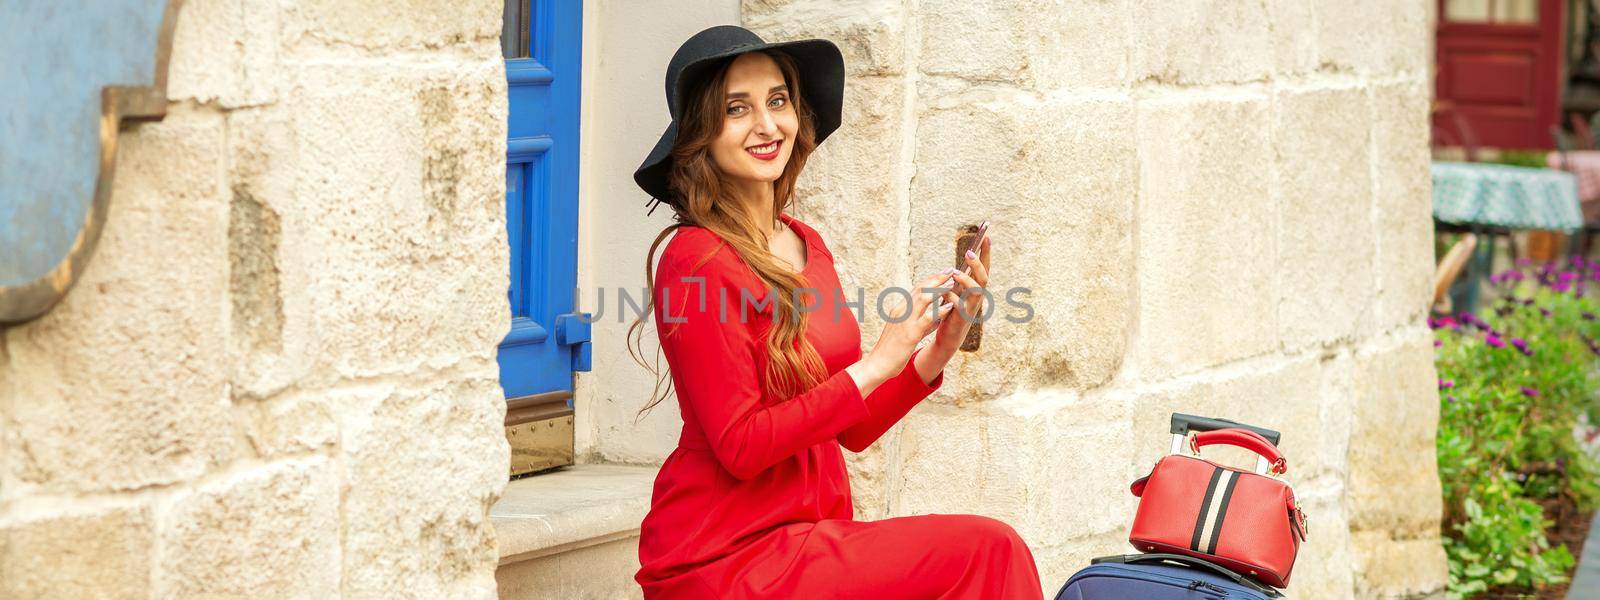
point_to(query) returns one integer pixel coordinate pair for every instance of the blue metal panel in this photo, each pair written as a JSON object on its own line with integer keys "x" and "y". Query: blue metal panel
{"x": 71, "y": 73}
{"x": 542, "y": 205}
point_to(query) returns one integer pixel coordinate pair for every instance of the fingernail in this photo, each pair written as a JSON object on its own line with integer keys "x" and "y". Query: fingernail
{"x": 971, "y": 254}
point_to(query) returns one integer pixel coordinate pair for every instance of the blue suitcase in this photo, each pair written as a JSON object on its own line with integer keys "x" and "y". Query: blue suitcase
{"x": 1160, "y": 577}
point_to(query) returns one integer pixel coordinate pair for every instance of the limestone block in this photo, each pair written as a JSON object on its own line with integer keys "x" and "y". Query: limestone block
{"x": 871, "y": 476}
{"x": 1325, "y": 563}
{"x": 99, "y": 553}
{"x": 1035, "y": 461}
{"x": 1325, "y": 235}
{"x": 293, "y": 423}
{"x": 399, "y": 212}
{"x": 129, "y": 367}
{"x": 599, "y": 572}
{"x": 1201, "y": 42}
{"x": 416, "y": 508}
{"x": 1294, "y": 49}
{"x": 270, "y": 346}
{"x": 270, "y": 531}
{"x": 1403, "y": 192}
{"x": 1392, "y": 439}
{"x": 1206, "y": 285}
{"x": 1339, "y": 393}
{"x": 1034, "y": 44}
{"x": 1386, "y": 567}
{"x": 1056, "y": 179}
{"x": 870, "y": 34}
{"x": 8, "y": 395}
{"x": 1377, "y": 37}
{"x": 226, "y": 51}
{"x": 408, "y": 24}
{"x": 942, "y": 462}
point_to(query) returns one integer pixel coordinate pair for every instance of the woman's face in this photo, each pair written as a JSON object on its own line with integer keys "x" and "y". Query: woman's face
{"x": 758, "y": 121}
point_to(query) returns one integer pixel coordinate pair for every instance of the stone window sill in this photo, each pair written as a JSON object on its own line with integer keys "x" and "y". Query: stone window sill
{"x": 564, "y": 510}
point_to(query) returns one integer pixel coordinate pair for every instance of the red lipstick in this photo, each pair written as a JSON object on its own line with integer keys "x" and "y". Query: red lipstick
{"x": 776, "y": 146}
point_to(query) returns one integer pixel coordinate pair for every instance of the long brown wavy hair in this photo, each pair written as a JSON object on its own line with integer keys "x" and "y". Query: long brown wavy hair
{"x": 704, "y": 199}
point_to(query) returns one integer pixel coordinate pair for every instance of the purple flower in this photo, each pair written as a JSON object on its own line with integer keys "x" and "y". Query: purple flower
{"x": 1588, "y": 316}
{"x": 1568, "y": 276}
{"x": 1560, "y": 287}
{"x": 1438, "y": 343}
{"x": 1530, "y": 392}
{"x": 1452, "y": 399}
{"x": 1445, "y": 384}
{"x": 1494, "y": 340}
{"x": 1545, "y": 311}
{"x": 1522, "y": 345}
{"x": 1561, "y": 463}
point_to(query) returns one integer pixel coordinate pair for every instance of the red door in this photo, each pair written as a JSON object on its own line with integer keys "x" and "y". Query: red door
{"x": 1499, "y": 72}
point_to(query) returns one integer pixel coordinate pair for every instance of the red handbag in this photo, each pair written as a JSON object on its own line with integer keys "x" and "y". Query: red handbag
{"x": 1247, "y": 522}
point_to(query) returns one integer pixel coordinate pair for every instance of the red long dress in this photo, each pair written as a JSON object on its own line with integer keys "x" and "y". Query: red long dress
{"x": 755, "y": 500}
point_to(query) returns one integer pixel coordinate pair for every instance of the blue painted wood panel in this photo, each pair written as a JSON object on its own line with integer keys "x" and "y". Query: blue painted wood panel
{"x": 547, "y": 341}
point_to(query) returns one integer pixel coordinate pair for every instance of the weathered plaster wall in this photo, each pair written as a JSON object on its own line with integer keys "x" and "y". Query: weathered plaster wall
{"x": 1221, "y": 208}
{"x": 277, "y": 377}
{"x": 627, "y": 45}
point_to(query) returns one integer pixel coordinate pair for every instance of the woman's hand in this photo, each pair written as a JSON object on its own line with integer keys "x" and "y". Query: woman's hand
{"x": 952, "y": 329}
{"x": 905, "y": 328}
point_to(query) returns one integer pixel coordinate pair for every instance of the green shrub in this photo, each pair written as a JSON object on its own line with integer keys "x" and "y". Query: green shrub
{"x": 1514, "y": 384}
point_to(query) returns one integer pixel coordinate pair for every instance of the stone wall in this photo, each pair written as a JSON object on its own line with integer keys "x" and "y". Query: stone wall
{"x": 277, "y": 376}
{"x": 1221, "y": 208}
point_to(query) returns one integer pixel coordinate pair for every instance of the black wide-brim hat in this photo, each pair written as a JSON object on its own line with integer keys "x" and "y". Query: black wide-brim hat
{"x": 821, "y": 86}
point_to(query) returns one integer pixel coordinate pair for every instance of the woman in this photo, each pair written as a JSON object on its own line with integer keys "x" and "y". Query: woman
{"x": 755, "y": 501}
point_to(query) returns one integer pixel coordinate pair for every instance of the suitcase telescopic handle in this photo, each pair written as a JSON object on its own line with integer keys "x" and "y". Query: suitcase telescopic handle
{"x": 1183, "y": 425}
{"x": 1243, "y": 438}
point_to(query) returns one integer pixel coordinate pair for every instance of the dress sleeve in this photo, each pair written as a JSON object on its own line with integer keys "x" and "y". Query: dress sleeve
{"x": 888, "y": 403}
{"x": 713, "y": 356}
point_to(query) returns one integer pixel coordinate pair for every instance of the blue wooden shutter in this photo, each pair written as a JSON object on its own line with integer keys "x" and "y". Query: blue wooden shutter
{"x": 547, "y": 341}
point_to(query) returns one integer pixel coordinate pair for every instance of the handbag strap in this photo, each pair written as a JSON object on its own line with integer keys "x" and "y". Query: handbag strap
{"x": 1188, "y": 561}
{"x": 1243, "y": 438}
